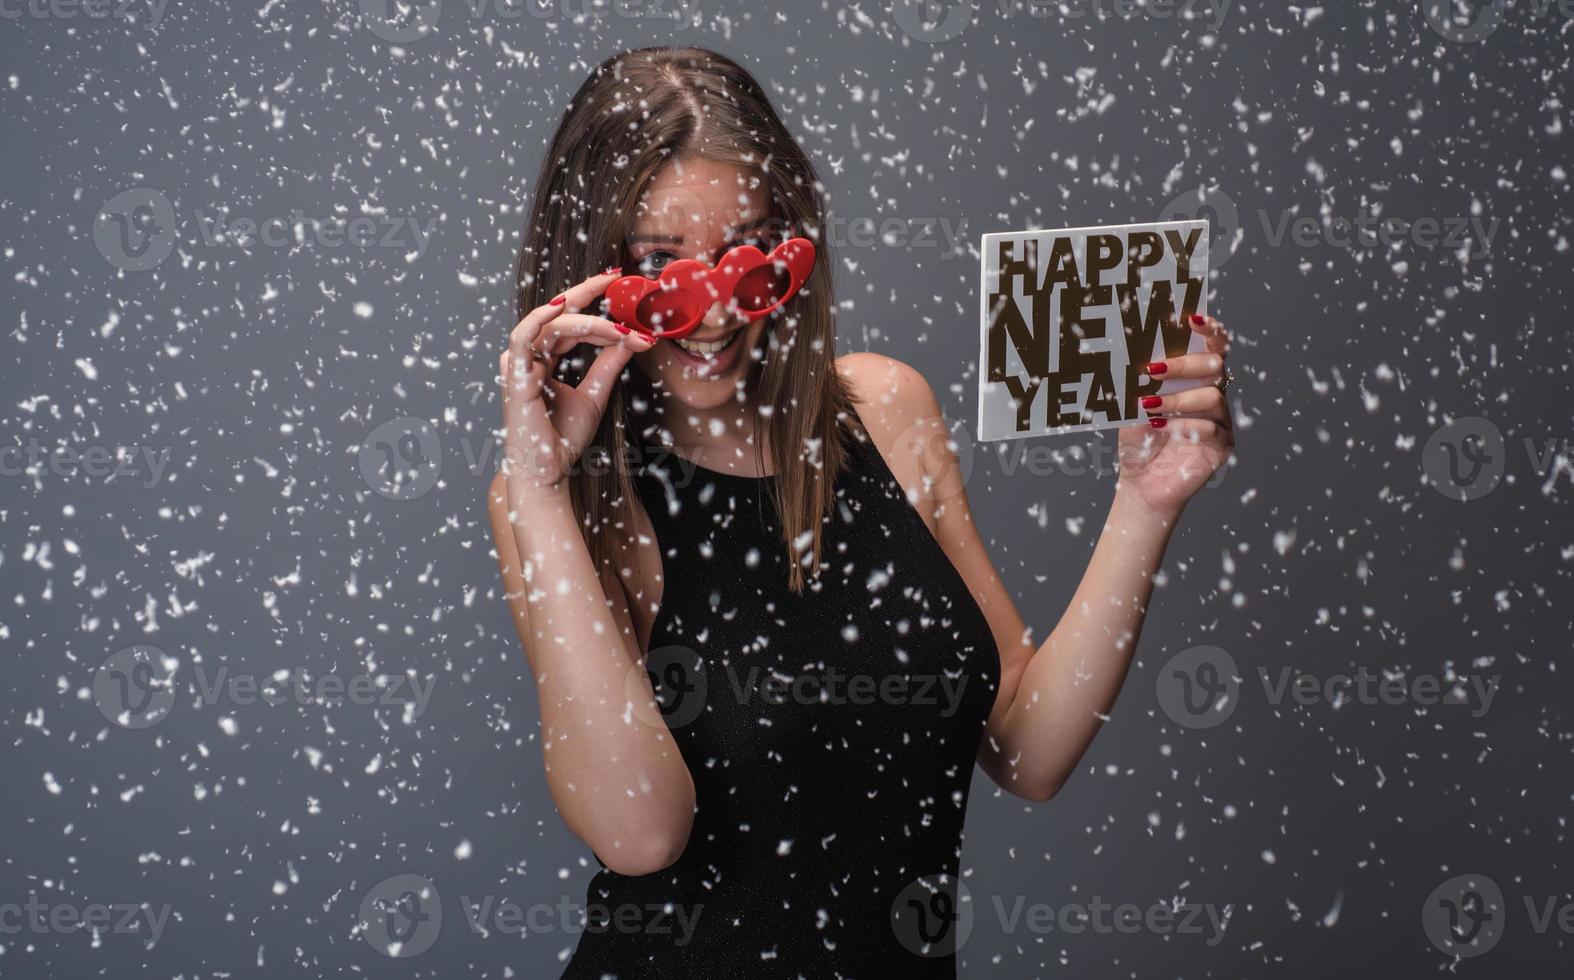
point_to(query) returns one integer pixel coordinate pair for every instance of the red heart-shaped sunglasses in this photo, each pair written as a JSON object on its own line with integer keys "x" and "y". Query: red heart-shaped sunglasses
{"x": 673, "y": 304}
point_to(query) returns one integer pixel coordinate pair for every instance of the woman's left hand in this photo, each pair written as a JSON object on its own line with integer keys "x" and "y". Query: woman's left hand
{"x": 1189, "y": 434}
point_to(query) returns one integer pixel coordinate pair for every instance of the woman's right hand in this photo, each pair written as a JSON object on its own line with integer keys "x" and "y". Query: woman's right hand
{"x": 547, "y": 424}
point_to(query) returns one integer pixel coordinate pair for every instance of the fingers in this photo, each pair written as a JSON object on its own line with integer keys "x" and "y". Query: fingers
{"x": 560, "y": 334}
{"x": 1207, "y": 365}
{"x": 523, "y": 378}
{"x": 1216, "y": 338}
{"x": 572, "y": 300}
{"x": 580, "y": 296}
{"x": 1206, "y": 402}
{"x": 604, "y": 370}
{"x": 529, "y": 377}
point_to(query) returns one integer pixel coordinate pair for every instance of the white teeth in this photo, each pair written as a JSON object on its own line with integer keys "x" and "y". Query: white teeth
{"x": 715, "y": 346}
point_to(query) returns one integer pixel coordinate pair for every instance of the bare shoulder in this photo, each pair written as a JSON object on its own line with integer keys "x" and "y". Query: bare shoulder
{"x": 899, "y": 410}
{"x": 892, "y": 396}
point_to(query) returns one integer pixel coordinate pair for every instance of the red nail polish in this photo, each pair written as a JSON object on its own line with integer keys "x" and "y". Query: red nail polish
{"x": 1156, "y": 368}
{"x": 611, "y": 269}
{"x": 1198, "y": 319}
{"x": 622, "y": 328}
{"x": 1151, "y": 401}
{"x": 1158, "y": 423}
{"x": 557, "y": 301}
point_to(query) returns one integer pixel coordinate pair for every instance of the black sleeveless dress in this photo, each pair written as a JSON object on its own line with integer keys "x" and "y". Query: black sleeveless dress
{"x": 831, "y": 736}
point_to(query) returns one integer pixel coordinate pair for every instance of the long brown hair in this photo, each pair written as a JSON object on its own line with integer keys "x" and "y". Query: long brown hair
{"x": 636, "y": 112}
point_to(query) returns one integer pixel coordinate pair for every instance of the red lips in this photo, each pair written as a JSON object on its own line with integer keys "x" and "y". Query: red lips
{"x": 673, "y": 304}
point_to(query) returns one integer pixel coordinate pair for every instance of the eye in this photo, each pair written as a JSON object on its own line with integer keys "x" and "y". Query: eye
{"x": 650, "y": 266}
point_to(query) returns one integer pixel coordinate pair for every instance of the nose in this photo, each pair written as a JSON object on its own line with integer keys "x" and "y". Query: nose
{"x": 717, "y": 317}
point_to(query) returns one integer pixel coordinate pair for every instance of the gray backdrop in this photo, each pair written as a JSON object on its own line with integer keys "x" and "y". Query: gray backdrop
{"x": 301, "y": 418}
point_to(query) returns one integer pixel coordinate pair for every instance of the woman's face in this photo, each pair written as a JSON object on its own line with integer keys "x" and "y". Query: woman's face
{"x": 696, "y": 208}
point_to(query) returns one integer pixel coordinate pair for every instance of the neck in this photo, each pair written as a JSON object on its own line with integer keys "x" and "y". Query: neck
{"x": 720, "y": 438}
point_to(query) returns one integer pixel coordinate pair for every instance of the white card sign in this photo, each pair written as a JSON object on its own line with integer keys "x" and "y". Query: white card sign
{"x": 1070, "y": 319}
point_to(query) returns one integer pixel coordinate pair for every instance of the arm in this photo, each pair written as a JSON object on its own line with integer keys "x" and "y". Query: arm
{"x": 615, "y": 773}
{"x": 614, "y": 770}
{"x": 1053, "y": 695}
{"x": 1054, "y": 698}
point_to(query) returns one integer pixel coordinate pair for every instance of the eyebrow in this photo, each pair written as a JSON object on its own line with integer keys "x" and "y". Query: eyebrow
{"x": 659, "y": 239}
{"x": 678, "y": 239}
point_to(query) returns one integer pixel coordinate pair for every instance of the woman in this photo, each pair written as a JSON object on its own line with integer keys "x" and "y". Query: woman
{"x": 785, "y": 535}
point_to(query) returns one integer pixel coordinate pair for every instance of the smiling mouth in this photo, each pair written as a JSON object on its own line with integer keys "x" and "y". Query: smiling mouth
{"x": 708, "y": 348}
